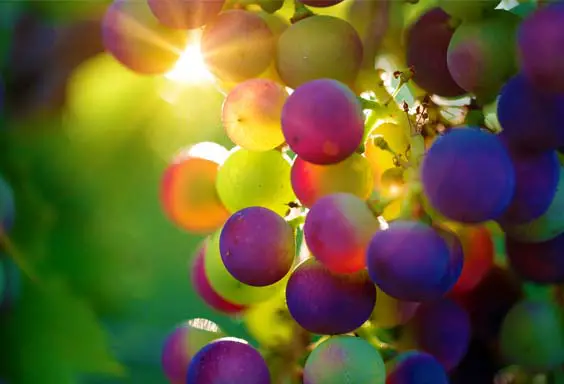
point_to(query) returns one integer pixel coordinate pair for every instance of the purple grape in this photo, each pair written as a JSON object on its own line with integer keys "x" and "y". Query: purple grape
{"x": 326, "y": 303}
{"x": 322, "y": 122}
{"x": 257, "y": 246}
{"x": 540, "y": 41}
{"x": 532, "y": 119}
{"x": 410, "y": 261}
{"x": 7, "y": 206}
{"x": 185, "y": 14}
{"x": 536, "y": 178}
{"x": 467, "y": 176}
{"x": 321, "y": 3}
{"x": 427, "y": 44}
{"x": 228, "y": 360}
{"x": 415, "y": 367}
{"x": 442, "y": 329}
{"x": 541, "y": 263}
{"x": 456, "y": 257}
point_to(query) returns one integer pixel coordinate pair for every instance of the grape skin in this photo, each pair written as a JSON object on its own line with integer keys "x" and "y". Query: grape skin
{"x": 427, "y": 45}
{"x": 185, "y": 14}
{"x": 237, "y": 45}
{"x": 309, "y": 49}
{"x": 322, "y": 122}
{"x": 415, "y": 367}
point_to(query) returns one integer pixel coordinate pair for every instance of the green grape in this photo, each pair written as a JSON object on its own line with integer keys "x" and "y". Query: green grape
{"x": 270, "y": 6}
{"x": 468, "y": 9}
{"x": 532, "y": 335}
{"x": 249, "y": 179}
{"x": 227, "y": 286}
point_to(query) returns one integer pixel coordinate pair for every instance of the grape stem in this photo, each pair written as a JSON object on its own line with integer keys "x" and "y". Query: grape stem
{"x": 300, "y": 12}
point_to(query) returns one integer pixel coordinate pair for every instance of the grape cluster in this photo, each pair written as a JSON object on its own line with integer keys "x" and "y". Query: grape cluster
{"x": 356, "y": 233}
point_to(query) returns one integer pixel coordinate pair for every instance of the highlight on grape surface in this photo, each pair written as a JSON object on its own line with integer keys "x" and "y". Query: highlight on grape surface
{"x": 389, "y": 205}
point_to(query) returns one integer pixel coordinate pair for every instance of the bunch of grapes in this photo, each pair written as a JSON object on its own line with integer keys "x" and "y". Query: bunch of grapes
{"x": 354, "y": 232}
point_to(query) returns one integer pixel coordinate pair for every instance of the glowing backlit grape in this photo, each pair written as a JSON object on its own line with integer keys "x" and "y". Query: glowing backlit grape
{"x": 337, "y": 231}
{"x": 536, "y": 178}
{"x": 532, "y": 335}
{"x": 133, "y": 35}
{"x": 7, "y": 205}
{"x": 531, "y": 118}
{"x": 228, "y": 360}
{"x": 188, "y": 193}
{"x": 237, "y": 45}
{"x": 440, "y": 328}
{"x": 537, "y": 262}
{"x": 185, "y": 14}
{"x": 410, "y": 261}
{"x": 540, "y": 37}
{"x": 203, "y": 287}
{"x": 183, "y": 343}
{"x": 250, "y": 178}
{"x": 427, "y": 44}
{"x": 310, "y": 49}
{"x": 545, "y": 227}
{"x": 467, "y": 176}
{"x": 228, "y": 286}
{"x": 310, "y": 182}
{"x": 344, "y": 359}
{"x": 251, "y": 114}
{"x": 415, "y": 367}
{"x": 479, "y": 252}
{"x": 482, "y": 54}
{"x": 317, "y": 299}
{"x": 390, "y": 312}
{"x": 257, "y": 246}
{"x": 322, "y": 122}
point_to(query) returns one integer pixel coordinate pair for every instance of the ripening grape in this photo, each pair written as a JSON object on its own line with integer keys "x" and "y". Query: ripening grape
{"x": 337, "y": 231}
{"x": 482, "y": 54}
{"x": 390, "y": 312}
{"x": 322, "y": 122}
{"x": 318, "y": 47}
{"x": 7, "y": 206}
{"x": 545, "y": 227}
{"x": 327, "y": 303}
{"x": 540, "y": 38}
{"x": 257, "y": 246}
{"x": 228, "y": 286}
{"x": 270, "y": 322}
{"x": 185, "y": 14}
{"x": 237, "y": 45}
{"x": 427, "y": 44}
{"x": 467, "y": 176}
{"x": 440, "y": 328}
{"x": 136, "y": 39}
{"x": 531, "y": 118}
{"x": 410, "y": 261}
{"x": 488, "y": 303}
{"x": 270, "y": 6}
{"x": 183, "y": 343}
{"x": 532, "y": 335}
{"x": 379, "y": 159}
{"x": 536, "y": 178}
{"x": 415, "y": 367}
{"x": 344, "y": 359}
{"x": 188, "y": 193}
{"x": 250, "y": 178}
{"x": 537, "y": 262}
{"x": 228, "y": 360}
{"x": 203, "y": 287}
{"x": 310, "y": 182}
{"x": 479, "y": 253}
{"x": 468, "y": 9}
{"x": 251, "y": 114}
{"x": 321, "y": 3}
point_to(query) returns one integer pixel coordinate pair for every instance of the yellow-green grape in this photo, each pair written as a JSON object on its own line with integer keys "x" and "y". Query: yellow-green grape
{"x": 249, "y": 179}
{"x": 227, "y": 286}
{"x": 269, "y": 322}
{"x": 390, "y": 312}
